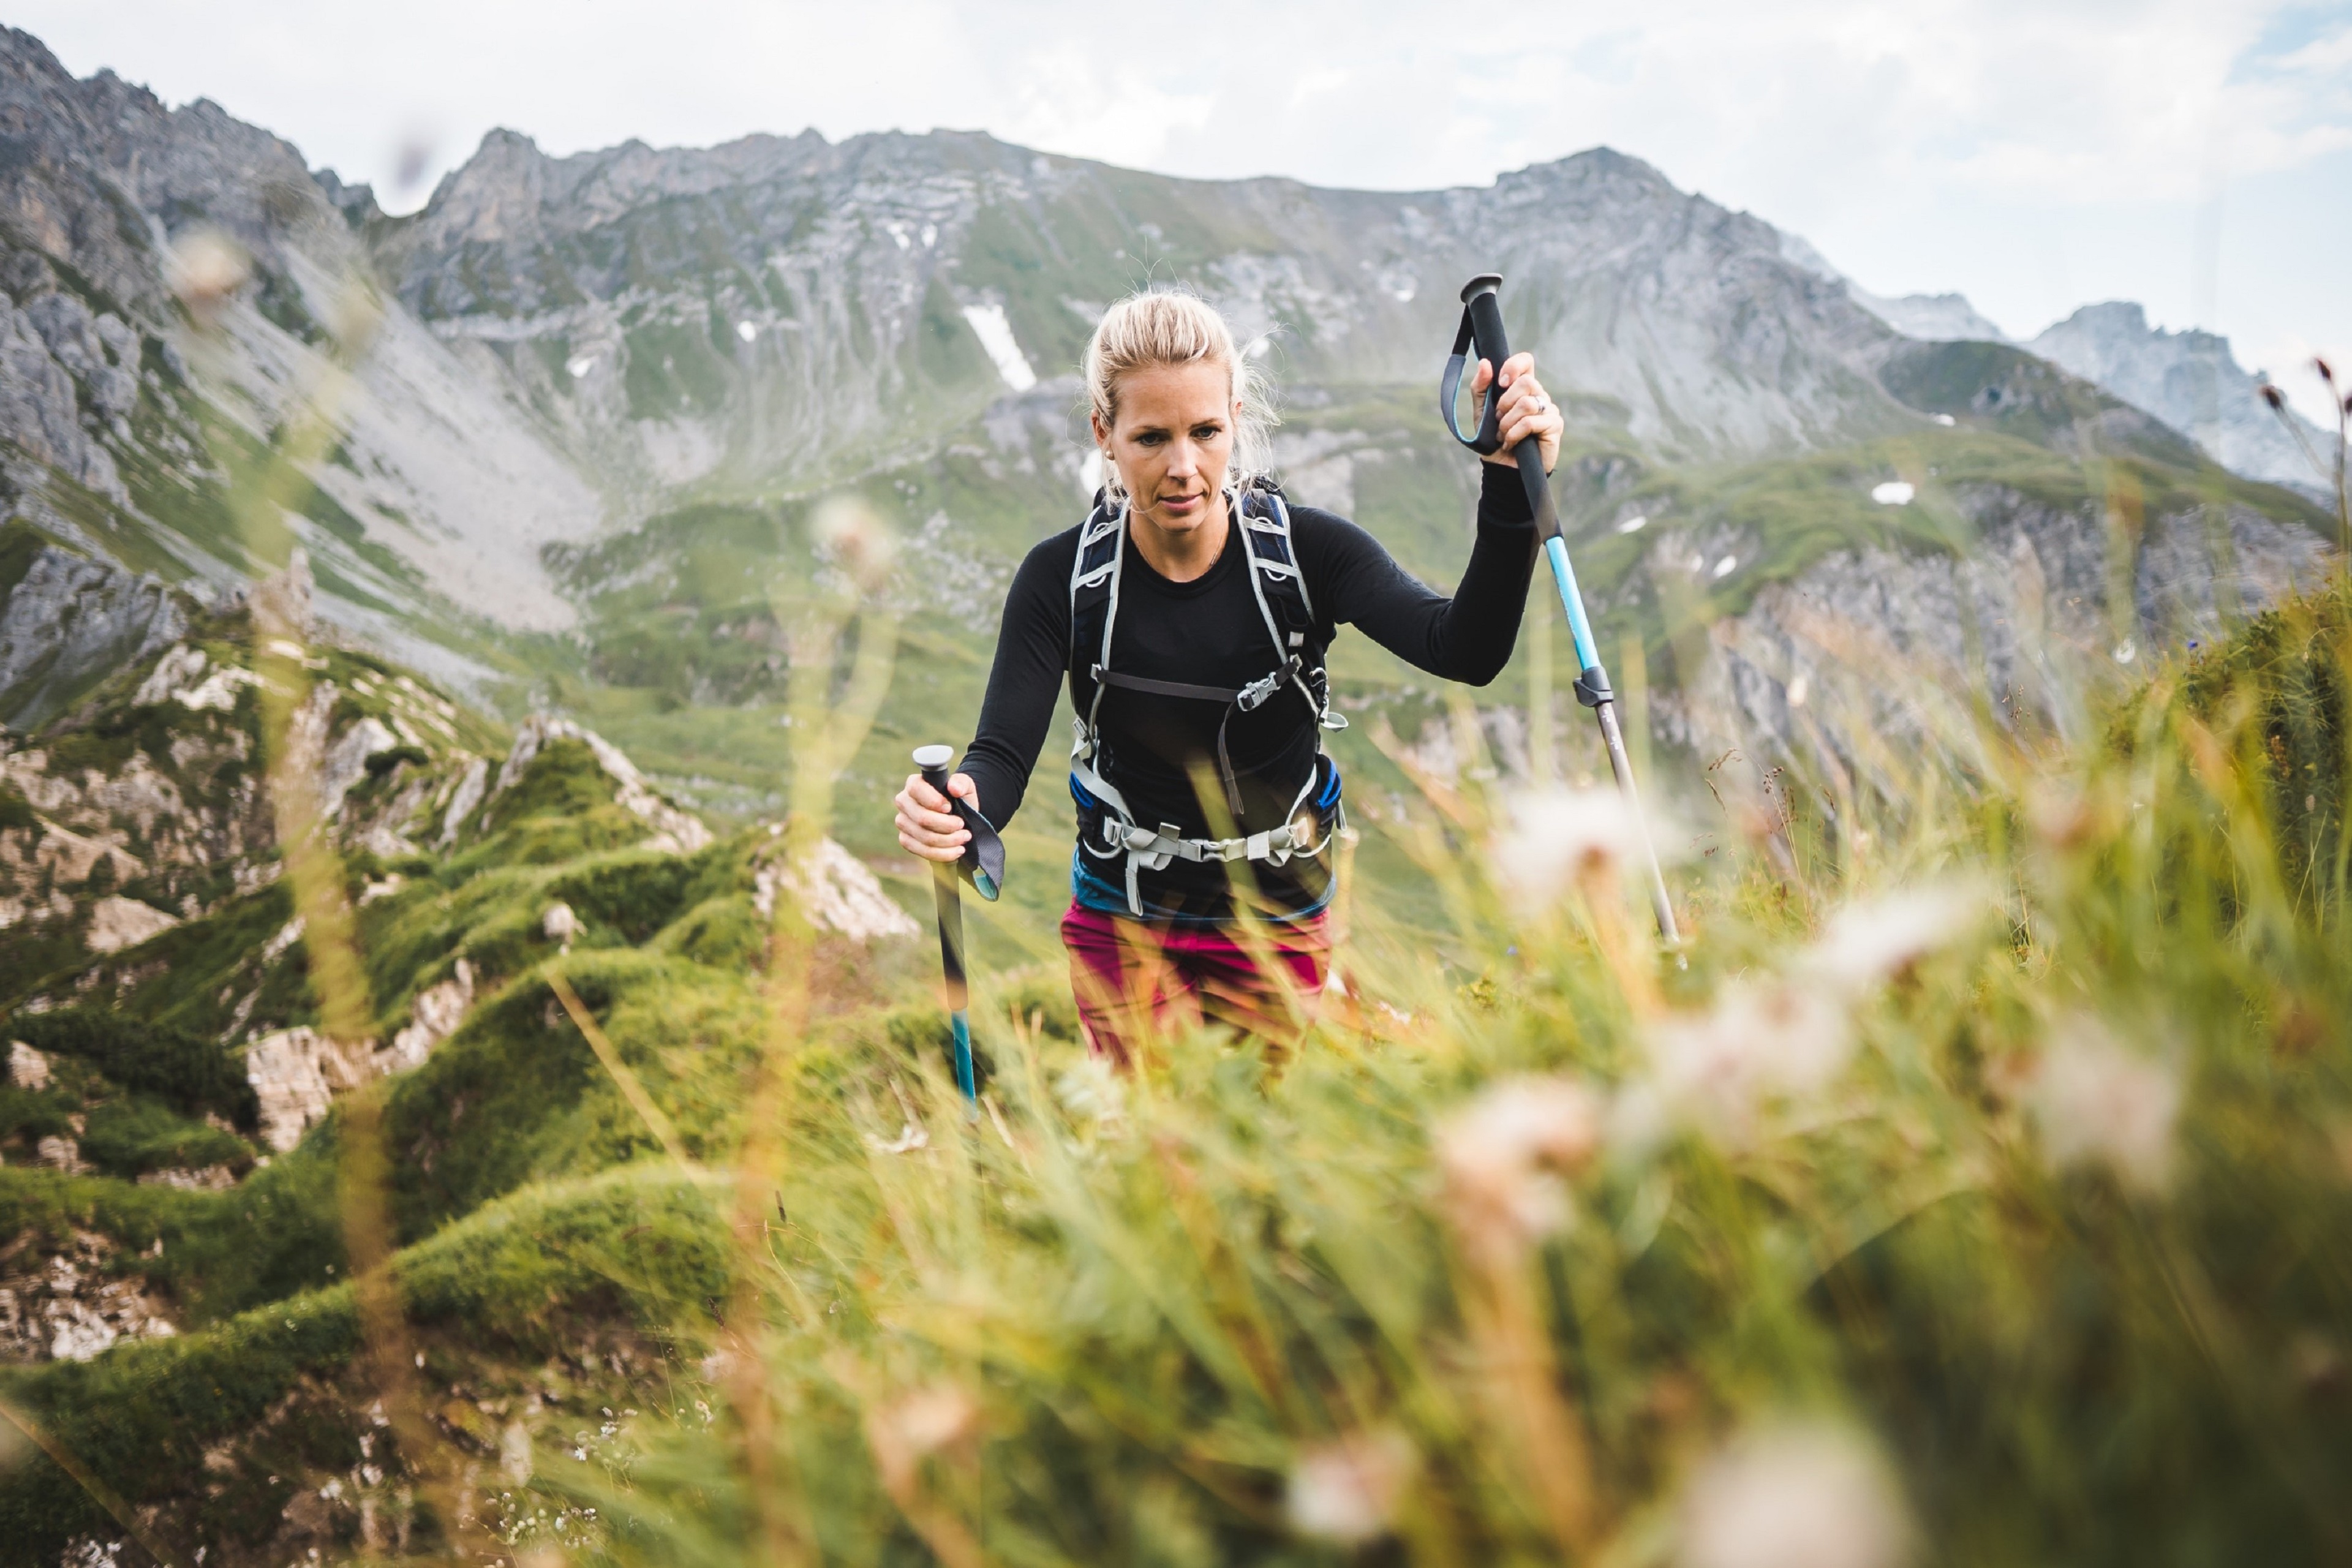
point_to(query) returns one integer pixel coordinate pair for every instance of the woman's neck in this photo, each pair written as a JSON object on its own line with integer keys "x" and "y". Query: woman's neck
{"x": 1184, "y": 556}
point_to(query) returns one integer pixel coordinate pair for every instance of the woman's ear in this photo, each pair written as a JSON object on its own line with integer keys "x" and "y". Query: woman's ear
{"x": 1102, "y": 431}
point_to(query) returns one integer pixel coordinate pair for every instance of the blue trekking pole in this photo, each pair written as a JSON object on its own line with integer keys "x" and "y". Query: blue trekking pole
{"x": 983, "y": 866}
{"x": 1481, "y": 337}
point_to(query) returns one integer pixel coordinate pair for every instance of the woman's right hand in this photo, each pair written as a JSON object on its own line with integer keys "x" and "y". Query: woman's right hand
{"x": 927, "y": 826}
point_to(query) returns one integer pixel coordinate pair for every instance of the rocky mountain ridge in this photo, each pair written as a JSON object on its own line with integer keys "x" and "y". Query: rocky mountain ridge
{"x": 559, "y": 360}
{"x": 2192, "y": 382}
{"x": 2189, "y": 379}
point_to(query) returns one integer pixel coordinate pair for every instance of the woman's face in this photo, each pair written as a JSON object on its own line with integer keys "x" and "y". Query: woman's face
{"x": 1173, "y": 441}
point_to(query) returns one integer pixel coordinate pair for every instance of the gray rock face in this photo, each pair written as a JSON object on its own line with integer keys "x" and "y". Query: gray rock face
{"x": 438, "y": 464}
{"x": 1870, "y": 660}
{"x": 1933, "y": 317}
{"x": 2188, "y": 379}
{"x": 51, "y": 358}
{"x": 70, "y": 620}
{"x": 786, "y": 304}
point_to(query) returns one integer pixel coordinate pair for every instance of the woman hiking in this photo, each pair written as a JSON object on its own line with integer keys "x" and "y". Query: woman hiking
{"x": 1190, "y": 614}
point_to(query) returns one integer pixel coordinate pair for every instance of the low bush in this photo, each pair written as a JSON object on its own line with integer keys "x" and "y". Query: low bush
{"x": 129, "y": 1137}
{"x": 183, "y": 1068}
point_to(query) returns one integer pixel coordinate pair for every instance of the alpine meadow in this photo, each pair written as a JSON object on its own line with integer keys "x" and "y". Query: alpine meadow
{"x": 477, "y": 1084}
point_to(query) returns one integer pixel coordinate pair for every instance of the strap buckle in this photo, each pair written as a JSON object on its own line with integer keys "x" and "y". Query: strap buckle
{"x": 1258, "y": 692}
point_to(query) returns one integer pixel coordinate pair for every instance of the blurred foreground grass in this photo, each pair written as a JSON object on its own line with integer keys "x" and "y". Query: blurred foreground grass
{"x": 1978, "y": 1192}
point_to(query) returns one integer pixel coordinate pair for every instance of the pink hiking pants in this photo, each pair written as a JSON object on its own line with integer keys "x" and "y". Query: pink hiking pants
{"x": 1134, "y": 979}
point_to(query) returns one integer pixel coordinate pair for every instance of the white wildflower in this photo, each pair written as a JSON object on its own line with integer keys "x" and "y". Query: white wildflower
{"x": 917, "y": 1426}
{"x": 1560, "y": 837}
{"x": 910, "y": 1138}
{"x": 1869, "y": 943}
{"x": 2060, "y": 814}
{"x": 1810, "y": 1495}
{"x": 932, "y": 1418}
{"x": 1091, "y": 1090}
{"x": 2099, "y": 1103}
{"x": 1502, "y": 1154}
{"x": 1347, "y": 1491}
{"x": 561, "y": 924}
{"x": 1762, "y": 1040}
{"x": 857, "y": 539}
{"x": 206, "y": 269}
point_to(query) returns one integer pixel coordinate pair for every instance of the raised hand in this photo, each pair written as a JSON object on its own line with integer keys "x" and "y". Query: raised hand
{"x": 1526, "y": 410}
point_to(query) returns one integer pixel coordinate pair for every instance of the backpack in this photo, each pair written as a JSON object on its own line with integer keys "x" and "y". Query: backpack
{"x": 1107, "y": 831}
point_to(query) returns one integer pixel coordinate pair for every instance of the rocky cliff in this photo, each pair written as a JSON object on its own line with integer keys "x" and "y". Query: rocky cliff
{"x": 782, "y": 308}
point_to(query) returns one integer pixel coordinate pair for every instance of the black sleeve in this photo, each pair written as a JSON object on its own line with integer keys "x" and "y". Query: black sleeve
{"x": 1031, "y": 656}
{"x": 1468, "y": 637}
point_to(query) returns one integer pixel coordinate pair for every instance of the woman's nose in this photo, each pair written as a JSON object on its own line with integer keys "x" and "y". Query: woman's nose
{"x": 1184, "y": 460}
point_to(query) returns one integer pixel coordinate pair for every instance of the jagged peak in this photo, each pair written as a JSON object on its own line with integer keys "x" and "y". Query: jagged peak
{"x": 1595, "y": 169}
{"x": 2124, "y": 313}
{"x": 2122, "y": 322}
{"x": 21, "y": 49}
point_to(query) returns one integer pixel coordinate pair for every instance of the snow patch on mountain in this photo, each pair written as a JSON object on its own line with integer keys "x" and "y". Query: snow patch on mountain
{"x": 996, "y": 335}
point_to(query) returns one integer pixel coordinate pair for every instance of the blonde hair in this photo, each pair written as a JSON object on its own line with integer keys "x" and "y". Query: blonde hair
{"x": 1170, "y": 327}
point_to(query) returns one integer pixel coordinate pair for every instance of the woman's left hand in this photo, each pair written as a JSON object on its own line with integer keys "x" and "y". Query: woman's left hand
{"x": 1527, "y": 410}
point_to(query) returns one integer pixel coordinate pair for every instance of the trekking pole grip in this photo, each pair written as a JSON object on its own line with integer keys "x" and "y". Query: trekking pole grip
{"x": 1483, "y": 297}
{"x": 933, "y": 762}
{"x": 949, "y": 898}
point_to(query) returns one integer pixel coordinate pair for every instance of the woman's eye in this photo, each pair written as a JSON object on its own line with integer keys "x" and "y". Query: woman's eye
{"x": 1207, "y": 432}
{"x": 1152, "y": 438}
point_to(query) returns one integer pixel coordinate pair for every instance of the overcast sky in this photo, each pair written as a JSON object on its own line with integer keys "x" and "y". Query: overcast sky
{"x": 2195, "y": 155}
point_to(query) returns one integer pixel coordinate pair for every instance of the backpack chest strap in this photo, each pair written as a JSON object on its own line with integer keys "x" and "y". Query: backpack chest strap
{"x": 1248, "y": 699}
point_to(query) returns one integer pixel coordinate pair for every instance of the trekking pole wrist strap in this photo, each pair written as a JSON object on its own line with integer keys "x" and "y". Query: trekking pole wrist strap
{"x": 1489, "y": 437}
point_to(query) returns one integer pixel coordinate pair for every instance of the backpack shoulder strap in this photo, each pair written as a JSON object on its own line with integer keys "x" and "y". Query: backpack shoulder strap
{"x": 1284, "y": 600}
{"x": 1093, "y": 595}
{"x": 1276, "y": 575}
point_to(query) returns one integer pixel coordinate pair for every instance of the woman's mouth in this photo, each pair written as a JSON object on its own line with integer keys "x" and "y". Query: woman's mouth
{"x": 1181, "y": 504}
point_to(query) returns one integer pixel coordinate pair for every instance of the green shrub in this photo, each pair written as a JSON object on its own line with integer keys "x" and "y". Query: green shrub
{"x": 43, "y": 1209}
{"x": 15, "y": 811}
{"x": 517, "y": 1277}
{"x": 33, "y": 1114}
{"x": 726, "y": 933}
{"x": 632, "y": 895}
{"x": 183, "y": 1068}
{"x": 131, "y": 1137}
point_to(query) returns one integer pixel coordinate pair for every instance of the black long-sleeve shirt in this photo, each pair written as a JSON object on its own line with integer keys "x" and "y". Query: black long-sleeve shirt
{"x": 1207, "y": 632}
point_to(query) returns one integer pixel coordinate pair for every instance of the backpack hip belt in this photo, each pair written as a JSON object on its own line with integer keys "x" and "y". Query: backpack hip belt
{"x": 1274, "y": 579}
